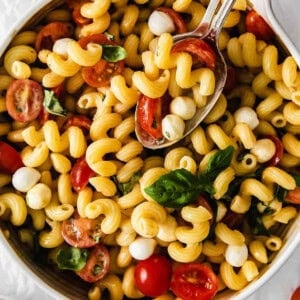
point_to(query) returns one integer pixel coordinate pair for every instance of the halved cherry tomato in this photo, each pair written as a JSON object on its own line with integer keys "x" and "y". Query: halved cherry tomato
{"x": 24, "y": 100}
{"x": 52, "y": 32}
{"x": 78, "y": 120}
{"x": 80, "y": 174}
{"x": 293, "y": 196}
{"x": 81, "y": 232}
{"x": 296, "y": 294}
{"x": 258, "y": 26}
{"x": 75, "y": 6}
{"x": 153, "y": 275}
{"x": 176, "y": 17}
{"x": 194, "y": 281}
{"x": 279, "y": 150}
{"x": 10, "y": 159}
{"x": 232, "y": 219}
{"x": 97, "y": 265}
{"x": 231, "y": 79}
{"x": 97, "y": 38}
{"x": 201, "y": 51}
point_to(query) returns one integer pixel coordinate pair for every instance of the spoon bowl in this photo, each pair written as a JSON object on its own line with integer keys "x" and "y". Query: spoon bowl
{"x": 208, "y": 30}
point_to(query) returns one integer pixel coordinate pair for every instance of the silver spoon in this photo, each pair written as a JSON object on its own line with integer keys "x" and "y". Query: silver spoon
{"x": 209, "y": 29}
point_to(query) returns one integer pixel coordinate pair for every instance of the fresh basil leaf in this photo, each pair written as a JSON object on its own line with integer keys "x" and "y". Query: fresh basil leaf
{"x": 297, "y": 179}
{"x": 256, "y": 224}
{"x": 205, "y": 184}
{"x": 177, "y": 188}
{"x": 72, "y": 258}
{"x": 280, "y": 192}
{"x": 219, "y": 162}
{"x": 52, "y": 104}
{"x": 113, "y": 53}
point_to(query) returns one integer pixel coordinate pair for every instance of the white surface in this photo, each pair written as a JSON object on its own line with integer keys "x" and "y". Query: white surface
{"x": 15, "y": 282}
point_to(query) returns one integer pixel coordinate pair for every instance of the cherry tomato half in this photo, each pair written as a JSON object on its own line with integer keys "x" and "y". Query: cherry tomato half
{"x": 80, "y": 174}
{"x": 201, "y": 51}
{"x": 152, "y": 275}
{"x": 293, "y": 196}
{"x": 75, "y": 6}
{"x": 97, "y": 265}
{"x": 296, "y": 294}
{"x": 279, "y": 150}
{"x": 10, "y": 159}
{"x": 24, "y": 100}
{"x": 80, "y": 121}
{"x": 194, "y": 281}
{"x": 258, "y": 26}
{"x": 52, "y": 32}
{"x": 176, "y": 17}
{"x": 81, "y": 232}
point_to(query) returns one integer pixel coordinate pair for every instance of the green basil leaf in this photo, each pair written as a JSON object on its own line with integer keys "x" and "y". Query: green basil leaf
{"x": 255, "y": 221}
{"x": 297, "y": 179}
{"x": 113, "y": 53}
{"x": 52, "y": 104}
{"x": 176, "y": 188}
{"x": 72, "y": 258}
{"x": 219, "y": 162}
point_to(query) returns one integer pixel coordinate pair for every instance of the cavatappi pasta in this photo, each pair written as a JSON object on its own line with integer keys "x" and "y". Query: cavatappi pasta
{"x": 86, "y": 187}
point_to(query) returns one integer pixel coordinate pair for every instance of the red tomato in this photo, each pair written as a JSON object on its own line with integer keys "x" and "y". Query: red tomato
{"x": 231, "y": 79}
{"x": 293, "y": 196}
{"x": 176, "y": 17}
{"x": 50, "y": 33}
{"x": 194, "y": 281}
{"x": 81, "y": 232}
{"x": 80, "y": 174}
{"x": 258, "y": 26}
{"x": 10, "y": 159}
{"x": 98, "y": 38}
{"x": 296, "y": 294}
{"x": 202, "y": 201}
{"x": 44, "y": 116}
{"x": 75, "y": 6}
{"x": 201, "y": 51}
{"x": 101, "y": 73}
{"x": 279, "y": 150}
{"x": 152, "y": 275}
{"x": 97, "y": 265}
{"x": 24, "y": 100}
{"x": 149, "y": 116}
{"x": 232, "y": 219}
{"x": 78, "y": 120}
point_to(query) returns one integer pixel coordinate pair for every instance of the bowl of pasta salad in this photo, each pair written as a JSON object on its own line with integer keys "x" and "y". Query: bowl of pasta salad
{"x": 93, "y": 214}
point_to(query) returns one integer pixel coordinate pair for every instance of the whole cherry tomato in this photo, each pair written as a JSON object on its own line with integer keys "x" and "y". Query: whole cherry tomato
{"x": 194, "y": 281}
{"x": 200, "y": 50}
{"x": 152, "y": 275}
{"x": 80, "y": 174}
{"x": 81, "y": 232}
{"x": 258, "y": 26}
{"x": 24, "y": 100}
{"x": 10, "y": 159}
{"x": 97, "y": 265}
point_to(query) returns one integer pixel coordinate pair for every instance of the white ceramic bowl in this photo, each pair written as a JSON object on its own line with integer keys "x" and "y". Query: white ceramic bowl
{"x": 18, "y": 13}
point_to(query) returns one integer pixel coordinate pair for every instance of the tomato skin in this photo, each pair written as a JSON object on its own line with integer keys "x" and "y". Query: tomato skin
{"x": 80, "y": 121}
{"x": 52, "y": 32}
{"x": 258, "y": 26}
{"x": 201, "y": 51}
{"x": 296, "y": 294}
{"x": 81, "y": 232}
{"x": 279, "y": 150}
{"x": 10, "y": 159}
{"x": 97, "y": 38}
{"x": 194, "y": 281}
{"x": 75, "y": 6}
{"x": 232, "y": 219}
{"x": 293, "y": 196}
{"x": 80, "y": 174}
{"x": 99, "y": 257}
{"x": 231, "y": 79}
{"x": 152, "y": 275}
{"x": 176, "y": 17}
{"x": 24, "y": 100}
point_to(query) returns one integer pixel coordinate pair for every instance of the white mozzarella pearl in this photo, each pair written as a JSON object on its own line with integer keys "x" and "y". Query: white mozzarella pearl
{"x": 39, "y": 196}
{"x": 246, "y": 115}
{"x": 236, "y": 255}
{"x": 25, "y": 178}
{"x": 60, "y": 46}
{"x": 142, "y": 248}
{"x": 172, "y": 127}
{"x": 160, "y": 22}
{"x": 184, "y": 107}
{"x": 264, "y": 150}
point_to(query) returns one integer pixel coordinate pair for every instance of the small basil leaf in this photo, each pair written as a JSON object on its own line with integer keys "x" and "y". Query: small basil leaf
{"x": 72, "y": 258}
{"x": 219, "y": 162}
{"x": 52, "y": 105}
{"x": 255, "y": 221}
{"x": 113, "y": 53}
{"x": 297, "y": 179}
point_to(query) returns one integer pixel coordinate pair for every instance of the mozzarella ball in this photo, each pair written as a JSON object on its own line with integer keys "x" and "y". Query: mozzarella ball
{"x": 172, "y": 127}
{"x": 236, "y": 255}
{"x": 25, "y": 178}
{"x": 246, "y": 115}
{"x": 264, "y": 150}
{"x": 160, "y": 22}
{"x": 142, "y": 248}
{"x": 184, "y": 107}
{"x": 60, "y": 46}
{"x": 39, "y": 196}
